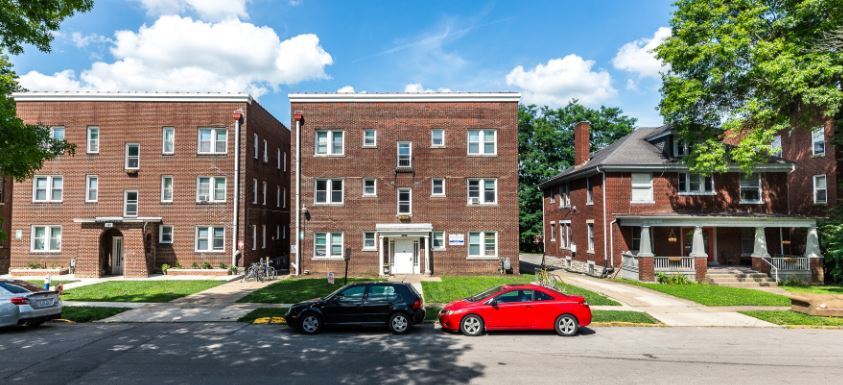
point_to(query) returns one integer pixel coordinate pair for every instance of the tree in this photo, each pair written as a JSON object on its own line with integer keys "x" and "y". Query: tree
{"x": 747, "y": 69}
{"x": 546, "y": 147}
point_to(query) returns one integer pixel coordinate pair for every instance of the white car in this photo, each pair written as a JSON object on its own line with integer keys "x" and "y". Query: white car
{"x": 22, "y": 303}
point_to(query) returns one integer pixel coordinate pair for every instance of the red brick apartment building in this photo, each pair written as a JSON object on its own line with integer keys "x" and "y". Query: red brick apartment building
{"x": 407, "y": 183}
{"x": 5, "y": 221}
{"x": 634, "y": 206}
{"x": 157, "y": 178}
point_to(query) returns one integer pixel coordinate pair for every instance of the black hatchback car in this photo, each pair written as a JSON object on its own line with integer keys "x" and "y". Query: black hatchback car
{"x": 396, "y": 305}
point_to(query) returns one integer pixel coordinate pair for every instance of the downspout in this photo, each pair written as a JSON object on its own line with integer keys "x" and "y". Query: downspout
{"x": 238, "y": 115}
{"x": 611, "y": 244}
{"x": 544, "y": 251}
{"x": 299, "y": 233}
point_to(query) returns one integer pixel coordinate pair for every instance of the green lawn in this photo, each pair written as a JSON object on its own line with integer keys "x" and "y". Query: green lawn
{"x": 264, "y": 315}
{"x": 792, "y": 318}
{"x": 431, "y": 312}
{"x": 40, "y": 282}
{"x": 295, "y": 290}
{"x": 713, "y": 295}
{"x": 89, "y": 313}
{"x": 634, "y": 317}
{"x": 138, "y": 291}
{"x": 457, "y": 287}
{"x": 814, "y": 289}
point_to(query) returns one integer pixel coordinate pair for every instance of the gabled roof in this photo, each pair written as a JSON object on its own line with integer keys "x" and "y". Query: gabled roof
{"x": 637, "y": 151}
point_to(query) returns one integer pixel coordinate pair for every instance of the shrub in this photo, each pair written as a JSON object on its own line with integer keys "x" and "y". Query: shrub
{"x": 194, "y": 265}
{"x": 207, "y": 265}
{"x": 34, "y": 265}
{"x": 223, "y": 265}
{"x": 674, "y": 279}
{"x": 164, "y": 268}
{"x": 177, "y": 265}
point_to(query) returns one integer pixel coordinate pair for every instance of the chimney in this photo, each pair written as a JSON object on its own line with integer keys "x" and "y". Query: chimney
{"x": 582, "y": 142}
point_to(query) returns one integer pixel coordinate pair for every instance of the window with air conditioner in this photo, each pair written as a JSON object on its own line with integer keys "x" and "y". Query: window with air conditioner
{"x": 482, "y": 191}
{"x": 211, "y": 189}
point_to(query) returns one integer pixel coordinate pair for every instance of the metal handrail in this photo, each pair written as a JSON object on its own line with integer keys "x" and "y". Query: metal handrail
{"x": 774, "y": 268}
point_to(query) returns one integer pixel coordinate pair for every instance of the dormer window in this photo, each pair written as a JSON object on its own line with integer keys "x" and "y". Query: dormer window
{"x": 680, "y": 148}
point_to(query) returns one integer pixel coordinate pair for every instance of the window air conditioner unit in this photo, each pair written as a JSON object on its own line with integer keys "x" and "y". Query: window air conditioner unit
{"x": 573, "y": 247}
{"x": 203, "y": 198}
{"x": 474, "y": 201}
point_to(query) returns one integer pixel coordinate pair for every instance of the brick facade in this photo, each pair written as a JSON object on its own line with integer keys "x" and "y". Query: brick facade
{"x": 5, "y": 222}
{"x": 413, "y": 122}
{"x": 797, "y": 147}
{"x": 128, "y": 118}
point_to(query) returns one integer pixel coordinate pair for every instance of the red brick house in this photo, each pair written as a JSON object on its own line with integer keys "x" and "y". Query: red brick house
{"x": 157, "y": 178}
{"x": 634, "y": 206}
{"x": 5, "y": 221}
{"x": 408, "y": 183}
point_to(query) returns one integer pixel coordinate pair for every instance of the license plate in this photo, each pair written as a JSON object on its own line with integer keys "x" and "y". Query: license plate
{"x": 44, "y": 302}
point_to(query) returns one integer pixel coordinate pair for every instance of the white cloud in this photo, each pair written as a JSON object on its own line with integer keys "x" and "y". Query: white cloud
{"x": 638, "y": 56}
{"x": 205, "y": 9}
{"x": 631, "y": 85}
{"x": 562, "y": 79}
{"x": 419, "y": 88}
{"x": 346, "y": 90}
{"x": 227, "y": 56}
{"x": 59, "y": 81}
{"x": 82, "y": 41}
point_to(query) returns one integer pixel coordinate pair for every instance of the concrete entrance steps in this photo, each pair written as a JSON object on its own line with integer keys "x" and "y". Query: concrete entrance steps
{"x": 738, "y": 276}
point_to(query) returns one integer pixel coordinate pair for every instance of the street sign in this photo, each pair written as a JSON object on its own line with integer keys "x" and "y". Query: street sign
{"x": 456, "y": 239}
{"x": 240, "y": 244}
{"x": 330, "y": 277}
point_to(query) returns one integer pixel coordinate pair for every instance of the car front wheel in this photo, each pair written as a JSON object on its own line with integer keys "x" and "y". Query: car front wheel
{"x": 472, "y": 325}
{"x": 399, "y": 323}
{"x": 566, "y": 325}
{"x": 311, "y": 324}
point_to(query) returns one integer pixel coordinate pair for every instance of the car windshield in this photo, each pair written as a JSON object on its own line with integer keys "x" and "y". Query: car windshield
{"x": 484, "y": 294}
{"x": 19, "y": 287}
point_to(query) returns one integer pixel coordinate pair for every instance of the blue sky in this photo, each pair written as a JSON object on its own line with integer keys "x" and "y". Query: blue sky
{"x": 551, "y": 51}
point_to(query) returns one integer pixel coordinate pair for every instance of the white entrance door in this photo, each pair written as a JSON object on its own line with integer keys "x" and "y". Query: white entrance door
{"x": 117, "y": 255}
{"x": 403, "y": 256}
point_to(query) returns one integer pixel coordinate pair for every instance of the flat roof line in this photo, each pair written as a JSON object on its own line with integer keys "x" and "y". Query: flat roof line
{"x": 217, "y": 97}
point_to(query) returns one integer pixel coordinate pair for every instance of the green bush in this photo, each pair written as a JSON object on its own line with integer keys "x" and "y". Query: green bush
{"x": 164, "y": 268}
{"x": 831, "y": 244}
{"x": 675, "y": 279}
{"x": 223, "y": 265}
{"x": 194, "y": 265}
{"x": 207, "y": 265}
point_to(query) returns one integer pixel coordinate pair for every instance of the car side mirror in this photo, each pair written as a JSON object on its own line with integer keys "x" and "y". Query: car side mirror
{"x": 493, "y": 303}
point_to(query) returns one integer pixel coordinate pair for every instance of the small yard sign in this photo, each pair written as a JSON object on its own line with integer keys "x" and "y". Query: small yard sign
{"x": 331, "y": 277}
{"x": 456, "y": 239}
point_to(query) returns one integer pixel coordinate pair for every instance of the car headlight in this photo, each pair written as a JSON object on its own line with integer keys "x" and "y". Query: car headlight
{"x": 446, "y": 312}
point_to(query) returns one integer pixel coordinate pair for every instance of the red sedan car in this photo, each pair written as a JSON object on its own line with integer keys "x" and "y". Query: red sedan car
{"x": 517, "y": 307}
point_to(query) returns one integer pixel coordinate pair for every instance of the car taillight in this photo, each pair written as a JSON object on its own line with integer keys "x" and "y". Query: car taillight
{"x": 20, "y": 301}
{"x": 417, "y": 305}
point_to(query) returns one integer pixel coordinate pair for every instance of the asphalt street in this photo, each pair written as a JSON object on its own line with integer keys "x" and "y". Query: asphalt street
{"x": 236, "y": 353}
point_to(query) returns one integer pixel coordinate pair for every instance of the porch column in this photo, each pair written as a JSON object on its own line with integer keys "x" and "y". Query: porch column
{"x": 427, "y": 254}
{"x": 380, "y": 255}
{"x": 699, "y": 254}
{"x": 646, "y": 270}
{"x": 759, "y": 251}
{"x": 814, "y": 255}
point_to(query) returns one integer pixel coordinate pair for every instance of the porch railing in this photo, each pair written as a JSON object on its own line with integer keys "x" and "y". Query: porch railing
{"x": 629, "y": 261}
{"x": 791, "y": 263}
{"x": 673, "y": 263}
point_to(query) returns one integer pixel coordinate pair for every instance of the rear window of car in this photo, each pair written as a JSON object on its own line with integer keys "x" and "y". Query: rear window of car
{"x": 378, "y": 292}
{"x": 19, "y": 287}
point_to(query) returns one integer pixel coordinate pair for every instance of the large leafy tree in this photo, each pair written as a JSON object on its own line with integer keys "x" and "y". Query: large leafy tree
{"x": 745, "y": 70}
{"x": 546, "y": 147}
{"x": 23, "y": 147}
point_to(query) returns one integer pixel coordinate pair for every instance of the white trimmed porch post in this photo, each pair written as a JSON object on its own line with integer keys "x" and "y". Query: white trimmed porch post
{"x": 646, "y": 269}
{"x": 759, "y": 248}
{"x": 427, "y": 254}
{"x": 380, "y": 255}
{"x": 698, "y": 244}
{"x": 812, "y": 244}
{"x": 645, "y": 245}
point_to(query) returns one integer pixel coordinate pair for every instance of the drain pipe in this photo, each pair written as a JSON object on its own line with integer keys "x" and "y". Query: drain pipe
{"x": 299, "y": 234}
{"x": 238, "y": 116}
{"x": 611, "y": 245}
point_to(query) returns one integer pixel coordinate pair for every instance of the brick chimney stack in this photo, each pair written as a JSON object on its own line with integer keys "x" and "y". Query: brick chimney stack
{"x": 582, "y": 142}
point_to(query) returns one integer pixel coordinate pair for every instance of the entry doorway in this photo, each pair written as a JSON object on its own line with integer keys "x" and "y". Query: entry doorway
{"x": 708, "y": 242}
{"x": 117, "y": 255}
{"x": 404, "y": 256}
{"x": 112, "y": 253}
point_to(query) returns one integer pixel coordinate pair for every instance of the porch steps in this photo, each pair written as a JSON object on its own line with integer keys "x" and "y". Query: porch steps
{"x": 743, "y": 277}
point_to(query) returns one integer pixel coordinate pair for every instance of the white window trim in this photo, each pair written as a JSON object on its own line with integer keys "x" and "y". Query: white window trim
{"x": 552, "y": 231}
{"x": 482, "y": 190}
{"x": 328, "y": 196}
{"x": 482, "y": 255}
{"x": 254, "y": 237}
{"x": 398, "y": 201}
{"x": 444, "y": 190}
{"x": 126, "y": 203}
{"x": 329, "y": 150}
{"x": 212, "y": 181}
{"x": 278, "y": 154}
{"x": 161, "y": 234}
{"x": 53, "y": 130}
{"x": 210, "y": 239}
{"x": 49, "y": 191}
{"x": 328, "y": 242}
{"x": 88, "y": 139}
{"x": 564, "y": 195}
{"x": 263, "y": 236}
{"x": 264, "y": 192}
{"x": 164, "y": 140}
{"x": 47, "y": 238}
{"x": 213, "y": 150}
{"x": 816, "y": 202}
{"x": 265, "y": 152}
{"x": 254, "y": 191}
{"x": 633, "y": 187}
{"x": 372, "y": 248}
{"x": 375, "y": 193}
{"x": 172, "y": 186}
{"x": 398, "y": 154}
{"x": 589, "y": 192}
{"x": 760, "y": 192}
{"x": 814, "y": 140}
{"x": 88, "y": 188}
{"x": 126, "y": 160}
{"x": 482, "y": 147}
{"x": 278, "y": 195}
{"x": 687, "y": 177}
{"x": 444, "y": 241}
{"x": 590, "y": 237}
{"x": 434, "y": 145}
{"x": 256, "y": 142}
{"x": 373, "y": 145}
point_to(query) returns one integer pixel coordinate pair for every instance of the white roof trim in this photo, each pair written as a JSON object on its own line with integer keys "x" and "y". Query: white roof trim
{"x": 117, "y": 220}
{"x": 406, "y": 97}
{"x": 404, "y": 227}
{"x": 714, "y": 221}
{"x": 96, "y": 96}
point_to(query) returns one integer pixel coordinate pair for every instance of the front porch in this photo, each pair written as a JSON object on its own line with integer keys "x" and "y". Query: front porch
{"x": 782, "y": 247}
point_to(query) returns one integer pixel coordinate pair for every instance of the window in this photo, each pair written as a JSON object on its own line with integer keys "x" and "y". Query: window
{"x": 437, "y": 137}
{"x": 482, "y": 244}
{"x": 165, "y": 234}
{"x": 482, "y": 191}
{"x": 552, "y": 196}
{"x": 46, "y": 239}
{"x": 636, "y": 239}
{"x": 370, "y": 138}
{"x": 327, "y": 245}
{"x": 329, "y": 143}
{"x": 130, "y": 204}
{"x": 405, "y": 201}
{"x": 213, "y": 141}
{"x": 818, "y": 141}
{"x": 680, "y": 149}
{"x": 254, "y": 237}
{"x": 277, "y": 196}
{"x": 210, "y": 239}
{"x": 284, "y": 198}
{"x": 263, "y": 236}
{"x": 776, "y": 146}
{"x": 642, "y": 188}
{"x": 204, "y": 192}
{"x": 590, "y": 227}
{"x": 589, "y": 192}
{"x": 820, "y": 189}
{"x": 254, "y": 191}
{"x": 482, "y": 142}
{"x": 265, "y": 152}
{"x": 328, "y": 191}
{"x": 438, "y": 240}
{"x": 285, "y": 161}
{"x": 256, "y": 140}
{"x": 47, "y": 189}
{"x": 564, "y": 195}
{"x": 167, "y": 189}
{"x": 379, "y": 293}
{"x": 132, "y": 156}
{"x": 564, "y": 235}
{"x": 437, "y": 187}
{"x": 168, "y": 139}
{"x": 264, "y": 192}
{"x": 695, "y": 184}
{"x": 284, "y": 232}
{"x": 552, "y": 231}
{"x": 750, "y": 188}
{"x": 370, "y": 187}
{"x": 369, "y": 242}
{"x": 93, "y": 140}
{"x": 405, "y": 154}
{"x": 57, "y": 133}
{"x": 277, "y": 231}
{"x": 92, "y": 188}
{"x": 278, "y": 153}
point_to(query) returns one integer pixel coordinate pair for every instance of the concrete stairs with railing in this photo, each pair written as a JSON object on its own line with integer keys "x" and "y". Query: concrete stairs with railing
{"x": 738, "y": 276}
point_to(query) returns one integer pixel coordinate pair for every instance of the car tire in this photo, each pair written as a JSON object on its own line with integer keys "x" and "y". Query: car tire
{"x": 311, "y": 323}
{"x": 566, "y": 325}
{"x": 399, "y": 323}
{"x": 472, "y": 325}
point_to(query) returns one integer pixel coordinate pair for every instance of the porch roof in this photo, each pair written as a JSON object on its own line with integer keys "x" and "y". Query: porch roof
{"x": 403, "y": 228}
{"x": 668, "y": 220}
{"x": 117, "y": 220}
